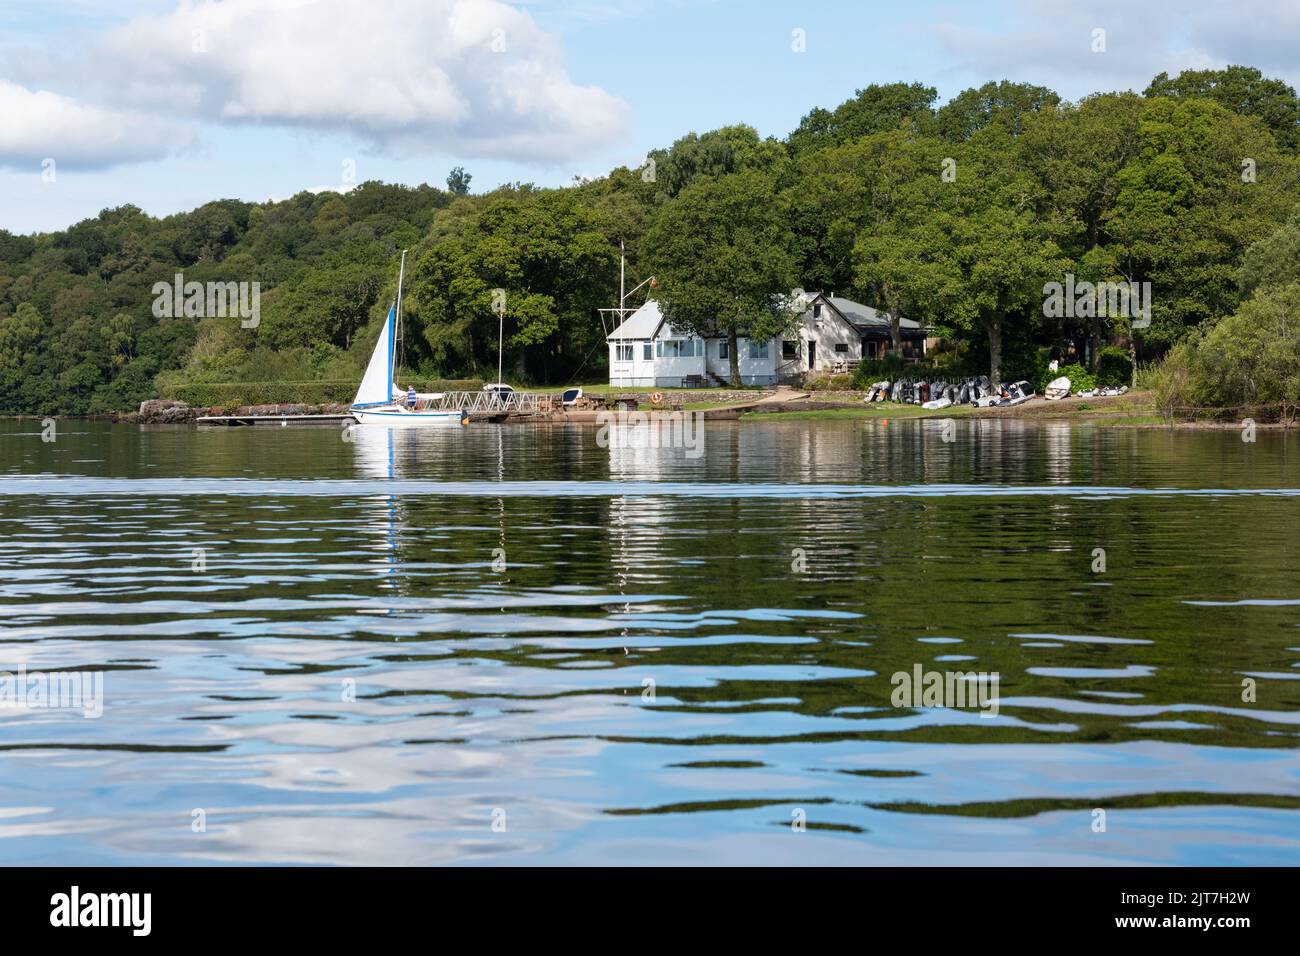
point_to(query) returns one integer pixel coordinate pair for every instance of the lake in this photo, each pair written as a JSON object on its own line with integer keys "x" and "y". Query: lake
{"x": 527, "y": 645}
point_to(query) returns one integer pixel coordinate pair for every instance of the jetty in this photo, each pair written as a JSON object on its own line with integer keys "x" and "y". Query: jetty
{"x": 272, "y": 419}
{"x": 520, "y": 408}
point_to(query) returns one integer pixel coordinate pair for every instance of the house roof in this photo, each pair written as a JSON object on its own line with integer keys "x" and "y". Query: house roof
{"x": 641, "y": 324}
{"x": 646, "y": 321}
{"x": 865, "y": 317}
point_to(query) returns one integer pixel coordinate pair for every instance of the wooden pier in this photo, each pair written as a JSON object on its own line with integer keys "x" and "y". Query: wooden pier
{"x": 249, "y": 420}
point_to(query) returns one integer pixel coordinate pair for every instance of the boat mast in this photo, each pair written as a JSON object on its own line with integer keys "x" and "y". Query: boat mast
{"x": 501, "y": 335}
{"x": 397, "y": 324}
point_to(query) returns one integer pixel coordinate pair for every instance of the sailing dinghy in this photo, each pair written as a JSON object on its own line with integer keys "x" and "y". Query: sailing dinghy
{"x": 378, "y": 401}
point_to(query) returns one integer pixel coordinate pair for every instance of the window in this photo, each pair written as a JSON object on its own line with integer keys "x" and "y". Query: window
{"x": 758, "y": 350}
{"x": 622, "y": 353}
{"x": 679, "y": 348}
{"x": 817, "y": 310}
{"x": 789, "y": 350}
{"x": 842, "y": 347}
{"x": 647, "y": 351}
{"x": 723, "y": 348}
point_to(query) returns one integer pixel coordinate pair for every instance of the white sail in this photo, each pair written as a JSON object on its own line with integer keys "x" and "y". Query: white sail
{"x": 377, "y": 385}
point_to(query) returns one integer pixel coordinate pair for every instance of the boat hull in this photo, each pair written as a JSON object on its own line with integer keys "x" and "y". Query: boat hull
{"x": 398, "y": 417}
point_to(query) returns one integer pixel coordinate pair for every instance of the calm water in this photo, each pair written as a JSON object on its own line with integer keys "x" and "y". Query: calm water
{"x": 367, "y": 652}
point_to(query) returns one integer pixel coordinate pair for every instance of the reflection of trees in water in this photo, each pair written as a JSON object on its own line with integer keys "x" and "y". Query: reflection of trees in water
{"x": 1009, "y": 578}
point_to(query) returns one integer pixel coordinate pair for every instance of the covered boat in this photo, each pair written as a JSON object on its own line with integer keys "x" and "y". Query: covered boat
{"x": 1057, "y": 389}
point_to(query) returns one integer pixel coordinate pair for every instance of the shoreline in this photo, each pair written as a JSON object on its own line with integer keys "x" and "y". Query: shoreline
{"x": 1131, "y": 410}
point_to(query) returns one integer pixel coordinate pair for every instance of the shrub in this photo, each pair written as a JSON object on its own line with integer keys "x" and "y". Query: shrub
{"x": 824, "y": 382}
{"x": 1248, "y": 361}
{"x": 1080, "y": 378}
{"x": 1145, "y": 375}
{"x": 889, "y": 368}
{"x": 238, "y": 394}
{"x": 1114, "y": 366}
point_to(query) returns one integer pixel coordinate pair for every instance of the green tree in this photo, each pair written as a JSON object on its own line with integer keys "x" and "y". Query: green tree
{"x": 326, "y": 304}
{"x": 719, "y": 152}
{"x": 458, "y": 181}
{"x": 876, "y": 109}
{"x": 19, "y": 334}
{"x": 1241, "y": 89}
{"x": 1273, "y": 260}
{"x": 555, "y": 264}
{"x": 1184, "y": 213}
{"x": 1251, "y": 358}
{"x": 1003, "y": 103}
{"x": 967, "y": 252}
{"x": 1076, "y": 154}
{"x": 721, "y": 251}
{"x": 843, "y": 192}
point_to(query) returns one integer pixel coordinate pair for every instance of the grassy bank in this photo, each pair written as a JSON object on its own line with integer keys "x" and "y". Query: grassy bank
{"x": 1136, "y": 408}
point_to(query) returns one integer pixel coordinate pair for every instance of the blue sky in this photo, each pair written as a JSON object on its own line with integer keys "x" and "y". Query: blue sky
{"x": 282, "y": 93}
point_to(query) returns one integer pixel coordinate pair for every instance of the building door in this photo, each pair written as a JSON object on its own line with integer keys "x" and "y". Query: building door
{"x": 812, "y": 356}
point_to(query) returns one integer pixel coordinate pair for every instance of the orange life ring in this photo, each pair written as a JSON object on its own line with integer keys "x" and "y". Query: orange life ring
{"x": 657, "y": 398}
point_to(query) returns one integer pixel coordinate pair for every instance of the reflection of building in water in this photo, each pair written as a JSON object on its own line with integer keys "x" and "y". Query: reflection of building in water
{"x": 808, "y": 452}
{"x": 736, "y": 451}
{"x": 655, "y": 446}
{"x": 1057, "y": 464}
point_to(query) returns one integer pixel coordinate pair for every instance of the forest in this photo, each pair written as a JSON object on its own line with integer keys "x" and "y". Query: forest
{"x": 957, "y": 215}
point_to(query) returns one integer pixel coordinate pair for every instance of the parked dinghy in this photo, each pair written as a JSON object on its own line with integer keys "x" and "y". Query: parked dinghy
{"x": 1019, "y": 393}
{"x": 1057, "y": 389}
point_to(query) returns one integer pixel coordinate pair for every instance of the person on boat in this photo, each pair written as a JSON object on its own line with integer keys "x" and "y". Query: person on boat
{"x": 410, "y": 397}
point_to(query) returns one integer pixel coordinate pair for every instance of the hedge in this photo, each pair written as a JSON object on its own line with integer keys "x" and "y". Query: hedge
{"x": 237, "y": 394}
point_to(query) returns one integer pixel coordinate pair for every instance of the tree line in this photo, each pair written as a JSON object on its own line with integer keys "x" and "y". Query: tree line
{"x": 957, "y": 215}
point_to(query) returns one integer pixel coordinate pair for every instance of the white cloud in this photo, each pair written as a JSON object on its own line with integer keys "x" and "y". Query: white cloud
{"x": 38, "y": 124}
{"x": 468, "y": 77}
{"x": 1051, "y": 41}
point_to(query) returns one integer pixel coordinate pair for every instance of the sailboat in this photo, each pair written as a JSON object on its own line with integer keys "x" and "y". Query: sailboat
{"x": 377, "y": 403}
